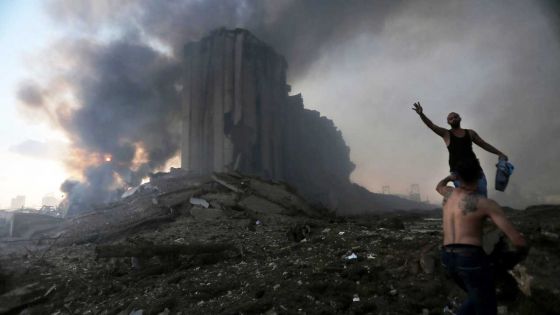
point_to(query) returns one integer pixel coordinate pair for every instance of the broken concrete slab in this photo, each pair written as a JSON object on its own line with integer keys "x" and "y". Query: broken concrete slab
{"x": 177, "y": 197}
{"x": 281, "y": 195}
{"x": 258, "y": 204}
{"x": 231, "y": 182}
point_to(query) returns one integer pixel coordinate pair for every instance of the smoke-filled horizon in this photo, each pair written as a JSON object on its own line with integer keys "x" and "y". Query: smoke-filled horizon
{"x": 115, "y": 82}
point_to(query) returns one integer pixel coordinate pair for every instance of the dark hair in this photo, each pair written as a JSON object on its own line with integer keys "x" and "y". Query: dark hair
{"x": 468, "y": 170}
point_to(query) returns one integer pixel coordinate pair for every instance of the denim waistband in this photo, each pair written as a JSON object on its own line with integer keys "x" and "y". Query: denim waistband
{"x": 461, "y": 248}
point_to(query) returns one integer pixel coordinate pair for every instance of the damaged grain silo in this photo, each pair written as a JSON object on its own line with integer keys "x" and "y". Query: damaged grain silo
{"x": 238, "y": 115}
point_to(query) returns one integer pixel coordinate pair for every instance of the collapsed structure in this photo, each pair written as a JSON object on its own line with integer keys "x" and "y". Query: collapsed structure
{"x": 238, "y": 116}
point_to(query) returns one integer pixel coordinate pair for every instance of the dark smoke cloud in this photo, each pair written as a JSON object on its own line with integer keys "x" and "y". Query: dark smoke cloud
{"x": 97, "y": 188}
{"x": 125, "y": 83}
{"x": 299, "y": 30}
{"x": 369, "y": 57}
{"x": 127, "y": 92}
{"x": 127, "y": 101}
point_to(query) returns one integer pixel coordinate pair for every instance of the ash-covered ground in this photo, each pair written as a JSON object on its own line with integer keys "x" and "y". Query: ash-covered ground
{"x": 238, "y": 245}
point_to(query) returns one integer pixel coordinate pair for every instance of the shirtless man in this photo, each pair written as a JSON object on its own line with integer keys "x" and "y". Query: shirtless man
{"x": 464, "y": 212}
{"x": 459, "y": 144}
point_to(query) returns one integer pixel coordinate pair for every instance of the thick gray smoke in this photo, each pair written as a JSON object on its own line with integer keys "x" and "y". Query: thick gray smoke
{"x": 299, "y": 30}
{"x": 361, "y": 63}
{"x": 126, "y": 124}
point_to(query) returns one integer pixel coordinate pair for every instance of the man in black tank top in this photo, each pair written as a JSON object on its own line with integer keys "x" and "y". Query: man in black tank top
{"x": 459, "y": 144}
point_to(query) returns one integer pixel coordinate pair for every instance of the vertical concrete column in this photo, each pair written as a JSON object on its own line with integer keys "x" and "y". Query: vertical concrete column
{"x": 265, "y": 114}
{"x": 196, "y": 116}
{"x": 206, "y": 107}
{"x": 278, "y": 111}
{"x": 229, "y": 73}
{"x": 237, "y": 81}
{"x": 248, "y": 92}
{"x": 186, "y": 151}
{"x": 218, "y": 101}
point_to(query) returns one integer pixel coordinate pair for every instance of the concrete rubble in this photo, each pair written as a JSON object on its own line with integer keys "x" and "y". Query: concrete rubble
{"x": 259, "y": 247}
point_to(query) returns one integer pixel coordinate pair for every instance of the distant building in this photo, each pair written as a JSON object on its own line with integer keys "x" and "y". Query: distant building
{"x": 49, "y": 201}
{"x": 18, "y": 202}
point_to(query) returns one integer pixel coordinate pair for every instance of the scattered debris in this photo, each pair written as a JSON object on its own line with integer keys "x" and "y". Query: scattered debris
{"x": 237, "y": 256}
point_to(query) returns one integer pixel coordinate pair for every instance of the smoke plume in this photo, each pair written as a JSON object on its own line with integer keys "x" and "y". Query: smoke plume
{"x": 115, "y": 81}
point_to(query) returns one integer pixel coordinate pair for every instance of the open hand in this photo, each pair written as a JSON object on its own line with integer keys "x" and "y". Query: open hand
{"x": 417, "y": 108}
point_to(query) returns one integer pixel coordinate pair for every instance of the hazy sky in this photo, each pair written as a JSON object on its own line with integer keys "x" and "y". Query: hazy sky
{"x": 360, "y": 63}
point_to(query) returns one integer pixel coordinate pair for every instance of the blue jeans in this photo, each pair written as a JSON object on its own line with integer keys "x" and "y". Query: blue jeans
{"x": 469, "y": 267}
{"x": 482, "y": 184}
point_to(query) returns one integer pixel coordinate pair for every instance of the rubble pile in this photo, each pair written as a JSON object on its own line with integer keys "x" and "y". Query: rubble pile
{"x": 235, "y": 244}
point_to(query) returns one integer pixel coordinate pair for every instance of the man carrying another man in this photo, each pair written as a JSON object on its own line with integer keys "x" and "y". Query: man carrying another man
{"x": 459, "y": 144}
{"x": 464, "y": 213}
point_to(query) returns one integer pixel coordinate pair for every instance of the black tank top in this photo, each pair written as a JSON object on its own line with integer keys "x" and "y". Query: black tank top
{"x": 460, "y": 149}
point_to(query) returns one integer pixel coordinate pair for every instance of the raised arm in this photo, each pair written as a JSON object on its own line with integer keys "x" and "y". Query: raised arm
{"x": 497, "y": 215}
{"x": 435, "y": 128}
{"x": 485, "y": 145}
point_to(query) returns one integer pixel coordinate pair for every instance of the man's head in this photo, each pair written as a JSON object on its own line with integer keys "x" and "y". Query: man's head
{"x": 454, "y": 120}
{"x": 468, "y": 171}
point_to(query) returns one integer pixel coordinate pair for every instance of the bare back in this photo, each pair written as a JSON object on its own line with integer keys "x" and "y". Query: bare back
{"x": 463, "y": 217}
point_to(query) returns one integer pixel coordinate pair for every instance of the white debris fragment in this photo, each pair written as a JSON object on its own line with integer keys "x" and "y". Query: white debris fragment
{"x": 523, "y": 278}
{"x": 356, "y": 298}
{"x": 352, "y": 256}
{"x": 199, "y": 202}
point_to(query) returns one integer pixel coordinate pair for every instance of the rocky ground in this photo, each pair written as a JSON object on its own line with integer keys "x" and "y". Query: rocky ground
{"x": 256, "y": 247}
